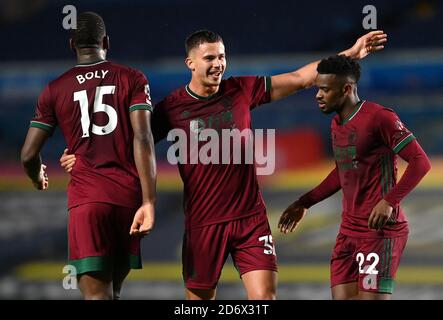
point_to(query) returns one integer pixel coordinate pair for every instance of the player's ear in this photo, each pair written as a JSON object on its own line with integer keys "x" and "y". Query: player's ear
{"x": 106, "y": 43}
{"x": 71, "y": 44}
{"x": 189, "y": 63}
{"x": 347, "y": 89}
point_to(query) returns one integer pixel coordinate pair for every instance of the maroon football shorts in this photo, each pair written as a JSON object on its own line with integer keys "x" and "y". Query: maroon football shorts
{"x": 372, "y": 263}
{"x": 99, "y": 240}
{"x": 205, "y": 250}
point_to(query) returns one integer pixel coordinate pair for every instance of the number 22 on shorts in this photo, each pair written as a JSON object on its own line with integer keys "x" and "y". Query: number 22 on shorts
{"x": 369, "y": 281}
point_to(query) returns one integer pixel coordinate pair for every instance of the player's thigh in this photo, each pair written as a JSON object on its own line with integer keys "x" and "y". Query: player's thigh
{"x": 378, "y": 261}
{"x": 344, "y": 268}
{"x": 204, "y": 253}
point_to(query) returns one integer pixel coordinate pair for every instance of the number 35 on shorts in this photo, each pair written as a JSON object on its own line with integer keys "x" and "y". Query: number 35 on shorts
{"x": 268, "y": 244}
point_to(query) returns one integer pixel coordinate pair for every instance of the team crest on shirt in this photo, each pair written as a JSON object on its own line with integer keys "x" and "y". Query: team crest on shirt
{"x": 399, "y": 125}
{"x": 226, "y": 102}
{"x": 185, "y": 114}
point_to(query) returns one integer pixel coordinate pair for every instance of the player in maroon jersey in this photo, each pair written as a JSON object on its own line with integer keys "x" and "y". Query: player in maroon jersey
{"x": 366, "y": 139}
{"x": 103, "y": 110}
{"x": 224, "y": 211}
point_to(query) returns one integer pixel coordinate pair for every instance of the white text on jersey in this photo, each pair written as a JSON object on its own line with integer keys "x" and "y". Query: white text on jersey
{"x": 97, "y": 74}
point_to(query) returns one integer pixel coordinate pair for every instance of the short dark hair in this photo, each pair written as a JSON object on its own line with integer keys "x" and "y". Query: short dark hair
{"x": 201, "y": 36}
{"x": 340, "y": 65}
{"x": 90, "y": 30}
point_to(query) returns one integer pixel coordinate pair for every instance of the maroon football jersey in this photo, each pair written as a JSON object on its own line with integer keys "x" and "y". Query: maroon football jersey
{"x": 91, "y": 105}
{"x": 365, "y": 150}
{"x": 215, "y": 193}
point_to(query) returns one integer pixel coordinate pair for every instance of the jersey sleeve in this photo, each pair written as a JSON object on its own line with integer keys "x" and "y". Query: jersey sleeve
{"x": 258, "y": 89}
{"x": 418, "y": 166}
{"x": 140, "y": 93}
{"x": 44, "y": 117}
{"x": 393, "y": 132}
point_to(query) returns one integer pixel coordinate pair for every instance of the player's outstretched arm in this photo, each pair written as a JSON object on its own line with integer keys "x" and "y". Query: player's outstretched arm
{"x": 144, "y": 156}
{"x": 31, "y": 160}
{"x": 285, "y": 84}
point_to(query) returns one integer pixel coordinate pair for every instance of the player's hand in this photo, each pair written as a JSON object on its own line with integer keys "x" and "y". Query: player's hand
{"x": 43, "y": 181}
{"x": 67, "y": 161}
{"x": 371, "y": 42}
{"x": 380, "y": 215}
{"x": 291, "y": 217}
{"x": 143, "y": 220}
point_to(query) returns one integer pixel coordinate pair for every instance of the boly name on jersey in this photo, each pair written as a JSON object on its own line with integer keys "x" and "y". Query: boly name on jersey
{"x": 97, "y": 74}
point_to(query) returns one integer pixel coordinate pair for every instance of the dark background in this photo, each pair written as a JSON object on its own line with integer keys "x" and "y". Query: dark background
{"x": 261, "y": 38}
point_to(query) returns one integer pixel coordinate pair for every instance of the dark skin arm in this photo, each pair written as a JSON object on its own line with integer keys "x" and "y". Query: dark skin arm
{"x": 31, "y": 160}
{"x": 144, "y": 156}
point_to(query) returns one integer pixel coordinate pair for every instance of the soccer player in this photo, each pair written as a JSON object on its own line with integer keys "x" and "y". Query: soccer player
{"x": 366, "y": 139}
{"x": 103, "y": 110}
{"x": 224, "y": 210}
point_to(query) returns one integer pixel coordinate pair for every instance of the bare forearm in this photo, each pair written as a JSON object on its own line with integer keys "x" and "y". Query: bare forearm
{"x": 285, "y": 84}
{"x": 31, "y": 165}
{"x": 144, "y": 156}
{"x": 303, "y": 78}
{"x": 30, "y": 153}
{"x": 350, "y": 53}
{"x": 307, "y": 73}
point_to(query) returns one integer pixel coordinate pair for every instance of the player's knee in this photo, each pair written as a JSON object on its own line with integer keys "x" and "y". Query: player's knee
{"x": 97, "y": 296}
{"x": 97, "y": 293}
{"x": 344, "y": 296}
{"x": 263, "y": 294}
{"x": 200, "y": 294}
